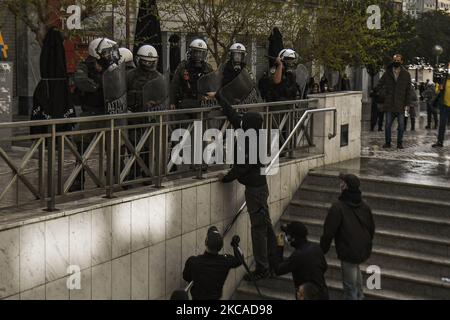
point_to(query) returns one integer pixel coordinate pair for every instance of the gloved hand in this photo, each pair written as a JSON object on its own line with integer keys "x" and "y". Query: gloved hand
{"x": 235, "y": 241}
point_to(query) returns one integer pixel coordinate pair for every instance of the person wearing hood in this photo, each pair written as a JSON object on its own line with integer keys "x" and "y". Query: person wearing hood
{"x": 256, "y": 192}
{"x": 307, "y": 263}
{"x": 350, "y": 223}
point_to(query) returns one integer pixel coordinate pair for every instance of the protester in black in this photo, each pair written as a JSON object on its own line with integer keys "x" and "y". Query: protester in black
{"x": 256, "y": 192}
{"x": 307, "y": 263}
{"x": 210, "y": 270}
{"x": 350, "y": 223}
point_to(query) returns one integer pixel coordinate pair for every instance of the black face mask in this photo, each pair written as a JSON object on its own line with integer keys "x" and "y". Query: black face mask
{"x": 397, "y": 64}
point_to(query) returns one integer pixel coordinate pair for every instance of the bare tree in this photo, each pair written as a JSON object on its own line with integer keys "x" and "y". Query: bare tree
{"x": 221, "y": 21}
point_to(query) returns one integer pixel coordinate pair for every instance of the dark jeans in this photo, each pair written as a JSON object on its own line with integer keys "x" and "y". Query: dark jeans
{"x": 376, "y": 117}
{"x": 263, "y": 236}
{"x": 432, "y": 114}
{"x": 444, "y": 115}
{"x": 401, "y": 126}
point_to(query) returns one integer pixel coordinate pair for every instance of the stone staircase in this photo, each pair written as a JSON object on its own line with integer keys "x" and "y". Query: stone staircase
{"x": 411, "y": 245}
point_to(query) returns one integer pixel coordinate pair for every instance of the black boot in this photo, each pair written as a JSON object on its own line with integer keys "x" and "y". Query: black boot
{"x": 413, "y": 124}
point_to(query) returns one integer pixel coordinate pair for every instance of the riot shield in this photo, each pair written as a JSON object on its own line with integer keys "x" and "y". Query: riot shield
{"x": 210, "y": 82}
{"x": 155, "y": 94}
{"x": 301, "y": 77}
{"x": 241, "y": 90}
{"x": 115, "y": 90}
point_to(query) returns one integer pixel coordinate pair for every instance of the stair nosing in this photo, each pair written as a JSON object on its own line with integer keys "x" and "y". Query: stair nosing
{"x": 334, "y": 263}
{"x": 363, "y": 177}
{"x": 380, "y": 231}
{"x": 401, "y": 215}
{"x": 337, "y": 285}
{"x": 266, "y": 292}
{"x": 315, "y": 188}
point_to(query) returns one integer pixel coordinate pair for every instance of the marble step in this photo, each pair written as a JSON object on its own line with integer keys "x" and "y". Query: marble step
{"x": 397, "y": 221}
{"x": 380, "y": 201}
{"x": 385, "y": 185}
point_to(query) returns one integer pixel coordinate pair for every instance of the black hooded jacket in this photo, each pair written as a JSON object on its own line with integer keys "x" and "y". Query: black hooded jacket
{"x": 307, "y": 264}
{"x": 350, "y": 223}
{"x": 248, "y": 174}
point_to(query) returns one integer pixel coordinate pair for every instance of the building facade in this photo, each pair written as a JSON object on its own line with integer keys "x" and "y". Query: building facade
{"x": 417, "y": 7}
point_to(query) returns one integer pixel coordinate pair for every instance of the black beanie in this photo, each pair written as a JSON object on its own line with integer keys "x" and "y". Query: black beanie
{"x": 214, "y": 240}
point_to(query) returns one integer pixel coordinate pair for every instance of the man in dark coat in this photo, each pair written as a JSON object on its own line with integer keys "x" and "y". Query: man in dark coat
{"x": 350, "y": 223}
{"x": 394, "y": 90}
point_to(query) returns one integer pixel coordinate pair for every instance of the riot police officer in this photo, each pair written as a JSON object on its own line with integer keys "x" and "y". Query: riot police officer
{"x": 237, "y": 85}
{"x": 183, "y": 89}
{"x": 143, "y": 85}
{"x": 284, "y": 86}
{"x": 235, "y": 64}
{"x": 126, "y": 56}
{"x": 103, "y": 55}
{"x": 147, "y": 59}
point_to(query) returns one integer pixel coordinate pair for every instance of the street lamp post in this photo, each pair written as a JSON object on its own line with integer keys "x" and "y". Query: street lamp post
{"x": 438, "y": 50}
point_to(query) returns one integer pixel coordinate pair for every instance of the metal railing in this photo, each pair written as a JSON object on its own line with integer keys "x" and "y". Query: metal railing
{"x": 63, "y": 159}
{"x": 300, "y": 125}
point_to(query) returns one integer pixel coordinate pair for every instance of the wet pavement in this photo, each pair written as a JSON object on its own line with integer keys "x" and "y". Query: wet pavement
{"x": 417, "y": 147}
{"x": 417, "y": 163}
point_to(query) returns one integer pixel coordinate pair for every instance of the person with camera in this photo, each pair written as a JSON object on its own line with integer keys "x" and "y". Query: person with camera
{"x": 210, "y": 270}
{"x": 307, "y": 263}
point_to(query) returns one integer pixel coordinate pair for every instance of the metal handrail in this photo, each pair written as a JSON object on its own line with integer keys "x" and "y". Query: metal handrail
{"x": 97, "y": 118}
{"x": 299, "y": 124}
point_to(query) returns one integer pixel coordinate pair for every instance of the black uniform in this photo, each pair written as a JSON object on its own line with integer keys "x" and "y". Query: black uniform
{"x": 209, "y": 272}
{"x": 229, "y": 73}
{"x": 183, "y": 88}
{"x": 89, "y": 93}
{"x": 286, "y": 90}
{"x": 136, "y": 79}
{"x": 89, "y": 88}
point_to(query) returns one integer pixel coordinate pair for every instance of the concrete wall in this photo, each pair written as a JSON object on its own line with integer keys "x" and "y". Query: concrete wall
{"x": 135, "y": 246}
{"x": 349, "y": 105}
